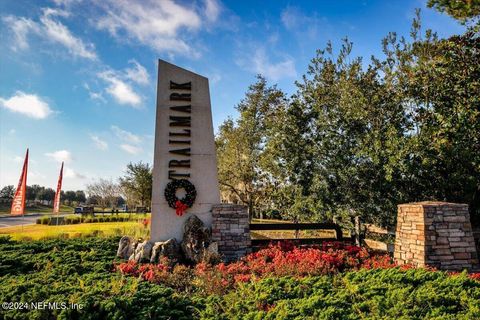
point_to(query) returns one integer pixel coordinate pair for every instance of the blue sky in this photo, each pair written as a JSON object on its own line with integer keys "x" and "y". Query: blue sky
{"x": 78, "y": 78}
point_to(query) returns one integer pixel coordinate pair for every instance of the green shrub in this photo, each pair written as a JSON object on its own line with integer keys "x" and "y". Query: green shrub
{"x": 372, "y": 294}
{"x": 72, "y": 219}
{"x": 75, "y": 219}
{"x": 43, "y": 220}
{"x": 80, "y": 271}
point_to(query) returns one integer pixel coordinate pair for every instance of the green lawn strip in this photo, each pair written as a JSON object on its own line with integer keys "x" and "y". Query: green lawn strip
{"x": 37, "y": 208}
{"x": 39, "y": 231}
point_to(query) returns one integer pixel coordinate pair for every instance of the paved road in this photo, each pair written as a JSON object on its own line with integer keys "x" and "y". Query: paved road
{"x": 30, "y": 218}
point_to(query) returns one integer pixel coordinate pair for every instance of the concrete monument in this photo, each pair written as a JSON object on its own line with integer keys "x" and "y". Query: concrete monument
{"x": 185, "y": 178}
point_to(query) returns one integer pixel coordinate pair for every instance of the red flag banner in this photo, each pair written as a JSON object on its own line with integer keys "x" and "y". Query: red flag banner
{"x": 18, "y": 203}
{"x": 56, "y": 202}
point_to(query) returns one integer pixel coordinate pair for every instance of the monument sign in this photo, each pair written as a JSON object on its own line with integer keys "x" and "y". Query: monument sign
{"x": 185, "y": 178}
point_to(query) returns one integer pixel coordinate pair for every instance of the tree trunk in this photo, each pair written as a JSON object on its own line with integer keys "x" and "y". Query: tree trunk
{"x": 250, "y": 210}
{"x": 357, "y": 230}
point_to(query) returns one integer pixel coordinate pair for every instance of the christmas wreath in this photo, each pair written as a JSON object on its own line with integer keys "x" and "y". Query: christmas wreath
{"x": 180, "y": 205}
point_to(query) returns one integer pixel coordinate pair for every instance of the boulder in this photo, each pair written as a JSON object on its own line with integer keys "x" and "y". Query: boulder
{"x": 211, "y": 255}
{"x": 196, "y": 239}
{"x": 142, "y": 252}
{"x": 126, "y": 247}
{"x": 213, "y": 248}
{"x": 169, "y": 249}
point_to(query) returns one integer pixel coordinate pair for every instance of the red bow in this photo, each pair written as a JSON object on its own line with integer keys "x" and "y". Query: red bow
{"x": 180, "y": 208}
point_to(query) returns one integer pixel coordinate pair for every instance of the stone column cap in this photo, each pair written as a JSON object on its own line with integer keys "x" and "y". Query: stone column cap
{"x": 229, "y": 206}
{"x": 433, "y": 203}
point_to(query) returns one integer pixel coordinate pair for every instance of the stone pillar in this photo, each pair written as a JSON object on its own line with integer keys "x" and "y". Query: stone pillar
{"x": 436, "y": 234}
{"x": 231, "y": 230}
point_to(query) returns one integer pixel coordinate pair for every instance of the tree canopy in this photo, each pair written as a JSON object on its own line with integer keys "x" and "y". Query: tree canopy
{"x": 459, "y": 9}
{"x": 136, "y": 184}
{"x": 359, "y": 137}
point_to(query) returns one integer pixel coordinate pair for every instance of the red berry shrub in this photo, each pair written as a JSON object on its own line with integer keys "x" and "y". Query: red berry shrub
{"x": 282, "y": 259}
{"x": 475, "y": 276}
{"x": 285, "y": 260}
{"x": 179, "y": 276}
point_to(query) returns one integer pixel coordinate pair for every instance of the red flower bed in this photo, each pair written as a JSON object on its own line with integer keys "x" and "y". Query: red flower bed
{"x": 282, "y": 259}
{"x": 286, "y": 260}
{"x": 475, "y": 276}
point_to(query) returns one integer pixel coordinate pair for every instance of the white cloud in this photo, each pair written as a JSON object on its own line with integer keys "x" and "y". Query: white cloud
{"x": 28, "y": 104}
{"x": 212, "y": 10}
{"x": 274, "y": 71}
{"x": 60, "y": 155}
{"x": 138, "y": 73}
{"x": 121, "y": 91}
{"x": 58, "y": 32}
{"x": 70, "y": 173}
{"x": 273, "y": 38}
{"x": 50, "y": 29}
{"x": 18, "y": 159}
{"x": 94, "y": 95}
{"x": 215, "y": 78}
{"x": 66, "y": 2}
{"x": 131, "y": 141}
{"x": 291, "y": 17}
{"x": 156, "y": 24}
{"x": 304, "y": 26}
{"x": 11, "y": 131}
{"x": 131, "y": 149}
{"x": 99, "y": 143}
{"x": 119, "y": 84}
{"x": 20, "y": 28}
{"x": 35, "y": 175}
{"x": 126, "y": 135}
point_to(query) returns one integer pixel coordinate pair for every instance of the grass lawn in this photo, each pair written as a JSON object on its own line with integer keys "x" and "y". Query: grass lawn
{"x": 38, "y": 231}
{"x": 133, "y": 228}
{"x": 290, "y": 234}
{"x": 255, "y": 220}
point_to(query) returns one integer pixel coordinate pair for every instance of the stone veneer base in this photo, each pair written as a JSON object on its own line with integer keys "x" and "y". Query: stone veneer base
{"x": 231, "y": 230}
{"x": 436, "y": 234}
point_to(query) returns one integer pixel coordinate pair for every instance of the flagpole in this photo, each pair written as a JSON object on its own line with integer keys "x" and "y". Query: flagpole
{"x": 25, "y": 198}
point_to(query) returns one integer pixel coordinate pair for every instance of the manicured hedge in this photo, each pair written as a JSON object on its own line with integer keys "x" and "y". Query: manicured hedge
{"x": 80, "y": 271}
{"x": 364, "y": 294}
{"x": 76, "y": 219}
